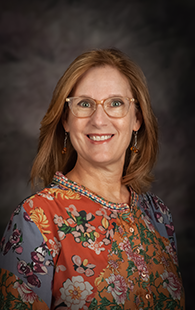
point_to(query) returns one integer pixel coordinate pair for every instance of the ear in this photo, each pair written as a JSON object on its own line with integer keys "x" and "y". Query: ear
{"x": 64, "y": 120}
{"x": 138, "y": 120}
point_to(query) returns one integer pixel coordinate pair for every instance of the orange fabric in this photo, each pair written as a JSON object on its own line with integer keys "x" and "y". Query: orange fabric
{"x": 15, "y": 294}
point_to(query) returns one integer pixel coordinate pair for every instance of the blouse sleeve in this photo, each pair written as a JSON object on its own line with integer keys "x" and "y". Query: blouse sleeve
{"x": 26, "y": 265}
{"x": 160, "y": 217}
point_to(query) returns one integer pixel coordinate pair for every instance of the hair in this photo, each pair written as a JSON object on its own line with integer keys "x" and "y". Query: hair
{"x": 137, "y": 167}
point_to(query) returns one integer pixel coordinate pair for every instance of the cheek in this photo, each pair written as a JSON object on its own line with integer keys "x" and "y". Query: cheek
{"x": 74, "y": 140}
{"x": 126, "y": 125}
{"x": 76, "y": 128}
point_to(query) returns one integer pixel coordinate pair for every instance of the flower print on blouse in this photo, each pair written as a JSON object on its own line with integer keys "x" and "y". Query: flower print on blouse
{"x": 68, "y": 248}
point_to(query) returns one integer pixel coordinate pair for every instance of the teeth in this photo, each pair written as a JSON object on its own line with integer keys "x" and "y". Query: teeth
{"x": 100, "y": 138}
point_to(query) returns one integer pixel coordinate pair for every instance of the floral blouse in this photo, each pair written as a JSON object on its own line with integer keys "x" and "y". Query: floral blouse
{"x": 68, "y": 248}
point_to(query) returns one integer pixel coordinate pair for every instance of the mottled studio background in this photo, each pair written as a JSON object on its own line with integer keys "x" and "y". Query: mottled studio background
{"x": 39, "y": 39}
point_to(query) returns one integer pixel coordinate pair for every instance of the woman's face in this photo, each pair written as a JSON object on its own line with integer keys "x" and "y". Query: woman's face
{"x": 115, "y": 133}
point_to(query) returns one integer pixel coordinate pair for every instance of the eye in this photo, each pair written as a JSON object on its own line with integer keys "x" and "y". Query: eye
{"x": 116, "y": 103}
{"x": 84, "y": 104}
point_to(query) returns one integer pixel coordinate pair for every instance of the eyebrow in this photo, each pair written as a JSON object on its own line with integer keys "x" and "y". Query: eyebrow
{"x": 110, "y": 96}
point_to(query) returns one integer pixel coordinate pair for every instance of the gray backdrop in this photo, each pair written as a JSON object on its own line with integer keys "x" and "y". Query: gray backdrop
{"x": 39, "y": 39}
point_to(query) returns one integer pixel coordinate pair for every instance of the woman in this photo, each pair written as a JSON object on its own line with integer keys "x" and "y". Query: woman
{"x": 93, "y": 237}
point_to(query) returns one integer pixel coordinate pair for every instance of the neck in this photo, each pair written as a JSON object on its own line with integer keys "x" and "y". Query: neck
{"x": 105, "y": 182}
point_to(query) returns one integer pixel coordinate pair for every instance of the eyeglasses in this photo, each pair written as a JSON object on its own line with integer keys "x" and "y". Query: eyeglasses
{"x": 116, "y": 107}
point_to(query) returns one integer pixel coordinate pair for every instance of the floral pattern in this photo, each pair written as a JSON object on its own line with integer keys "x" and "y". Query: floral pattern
{"x": 15, "y": 294}
{"x": 37, "y": 265}
{"x": 55, "y": 246}
{"x": 26, "y": 294}
{"x": 38, "y": 216}
{"x": 14, "y": 242}
{"x": 66, "y": 248}
{"x": 83, "y": 267}
{"x": 74, "y": 292}
{"x": 172, "y": 284}
{"x": 117, "y": 287}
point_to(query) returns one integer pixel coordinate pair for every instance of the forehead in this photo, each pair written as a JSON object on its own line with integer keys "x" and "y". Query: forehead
{"x": 99, "y": 80}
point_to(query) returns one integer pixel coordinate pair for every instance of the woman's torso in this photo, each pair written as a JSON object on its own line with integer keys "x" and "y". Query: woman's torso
{"x": 93, "y": 254}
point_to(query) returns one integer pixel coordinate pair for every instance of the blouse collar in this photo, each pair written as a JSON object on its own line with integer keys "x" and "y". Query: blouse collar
{"x": 62, "y": 180}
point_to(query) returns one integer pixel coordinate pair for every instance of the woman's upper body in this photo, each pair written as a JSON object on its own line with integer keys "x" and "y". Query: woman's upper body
{"x": 68, "y": 248}
{"x": 101, "y": 244}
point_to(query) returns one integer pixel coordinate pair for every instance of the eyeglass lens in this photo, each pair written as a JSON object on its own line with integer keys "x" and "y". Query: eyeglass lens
{"x": 84, "y": 107}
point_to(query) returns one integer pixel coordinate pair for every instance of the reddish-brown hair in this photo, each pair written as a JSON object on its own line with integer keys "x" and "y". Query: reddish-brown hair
{"x": 137, "y": 167}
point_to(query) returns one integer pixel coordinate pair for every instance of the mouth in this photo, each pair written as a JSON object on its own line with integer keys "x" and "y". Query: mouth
{"x": 99, "y": 138}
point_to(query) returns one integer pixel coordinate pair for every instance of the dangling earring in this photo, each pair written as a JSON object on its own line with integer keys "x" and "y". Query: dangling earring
{"x": 65, "y": 140}
{"x": 134, "y": 147}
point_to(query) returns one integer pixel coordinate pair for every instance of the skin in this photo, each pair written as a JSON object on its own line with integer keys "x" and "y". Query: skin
{"x": 99, "y": 164}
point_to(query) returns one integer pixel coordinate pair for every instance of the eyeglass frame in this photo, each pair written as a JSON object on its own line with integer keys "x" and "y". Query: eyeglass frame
{"x": 101, "y": 102}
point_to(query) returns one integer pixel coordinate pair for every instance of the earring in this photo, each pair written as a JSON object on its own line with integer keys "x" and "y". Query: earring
{"x": 65, "y": 140}
{"x": 134, "y": 147}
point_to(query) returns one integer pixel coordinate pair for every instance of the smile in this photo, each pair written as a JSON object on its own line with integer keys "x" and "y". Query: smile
{"x": 99, "y": 138}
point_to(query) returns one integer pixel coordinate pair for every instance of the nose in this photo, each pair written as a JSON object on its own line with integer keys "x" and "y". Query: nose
{"x": 99, "y": 117}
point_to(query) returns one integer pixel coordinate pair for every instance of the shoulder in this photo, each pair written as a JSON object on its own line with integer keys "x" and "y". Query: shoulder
{"x": 48, "y": 199}
{"x": 153, "y": 204}
{"x": 159, "y": 214}
{"x": 31, "y": 224}
{"x": 45, "y": 194}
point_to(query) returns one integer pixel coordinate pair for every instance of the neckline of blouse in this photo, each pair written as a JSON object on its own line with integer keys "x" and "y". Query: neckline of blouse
{"x": 61, "y": 179}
